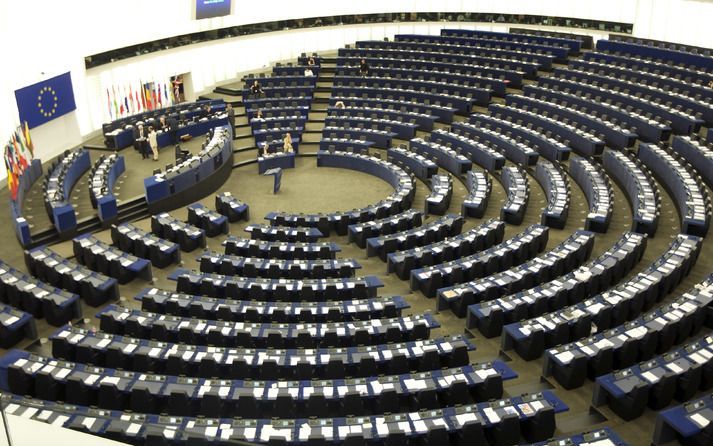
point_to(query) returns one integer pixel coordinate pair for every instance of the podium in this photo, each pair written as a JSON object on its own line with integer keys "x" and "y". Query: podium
{"x": 277, "y": 174}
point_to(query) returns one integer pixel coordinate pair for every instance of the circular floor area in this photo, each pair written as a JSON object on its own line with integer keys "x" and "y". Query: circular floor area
{"x": 307, "y": 188}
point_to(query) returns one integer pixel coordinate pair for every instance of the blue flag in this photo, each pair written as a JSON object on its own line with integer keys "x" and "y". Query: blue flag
{"x": 46, "y": 100}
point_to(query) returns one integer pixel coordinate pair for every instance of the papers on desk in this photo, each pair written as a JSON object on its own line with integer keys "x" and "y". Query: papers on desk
{"x": 700, "y": 420}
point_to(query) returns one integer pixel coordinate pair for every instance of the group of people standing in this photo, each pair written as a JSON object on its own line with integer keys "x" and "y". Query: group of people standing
{"x": 146, "y": 138}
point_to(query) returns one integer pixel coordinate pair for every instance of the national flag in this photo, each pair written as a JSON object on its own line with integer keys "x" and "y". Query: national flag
{"x": 108, "y": 99}
{"x": 165, "y": 94}
{"x": 116, "y": 106}
{"x": 155, "y": 101}
{"x": 143, "y": 96}
{"x": 19, "y": 155}
{"x": 147, "y": 92}
{"x": 10, "y": 167}
{"x": 126, "y": 101}
{"x": 134, "y": 108}
{"x": 28, "y": 140}
{"x": 158, "y": 94}
{"x": 44, "y": 101}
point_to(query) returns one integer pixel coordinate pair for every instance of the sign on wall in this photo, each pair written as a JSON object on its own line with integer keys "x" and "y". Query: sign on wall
{"x": 206, "y": 9}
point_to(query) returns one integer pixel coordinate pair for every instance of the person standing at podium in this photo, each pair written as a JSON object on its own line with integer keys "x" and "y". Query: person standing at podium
{"x": 153, "y": 142}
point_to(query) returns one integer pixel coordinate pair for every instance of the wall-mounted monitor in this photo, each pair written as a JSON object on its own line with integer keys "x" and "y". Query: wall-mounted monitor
{"x": 206, "y": 9}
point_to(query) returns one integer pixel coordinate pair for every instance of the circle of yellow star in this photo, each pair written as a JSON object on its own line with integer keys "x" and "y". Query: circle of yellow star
{"x": 42, "y": 99}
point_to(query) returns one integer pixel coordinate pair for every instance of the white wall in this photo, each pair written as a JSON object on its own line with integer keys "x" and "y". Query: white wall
{"x": 43, "y": 38}
{"x": 682, "y": 21}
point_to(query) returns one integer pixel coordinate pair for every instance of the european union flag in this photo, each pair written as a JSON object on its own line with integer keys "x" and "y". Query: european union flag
{"x": 46, "y": 100}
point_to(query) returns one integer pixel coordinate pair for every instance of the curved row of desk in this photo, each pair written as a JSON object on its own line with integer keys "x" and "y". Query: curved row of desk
{"x": 420, "y": 166}
{"x": 433, "y": 231}
{"x": 181, "y": 396}
{"x": 577, "y": 285}
{"x": 479, "y": 186}
{"x": 399, "y": 201}
{"x": 145, "y": 355}
{"x": 204, "y": 307}
{"x": 57, "y": 186}
{"x": 610, "y": 308}
{"x": 594, "y": 182}
{"x": 556, "y": 186}
{"x": 104, "y": 174}
{"x": 530, "y": 417}
{"x": 639, "y": 187}
{"x": 121, "y": 133}
{"x": 196, "y": 175}
{"x": 119, "y": 320}
{"x": 467, "y": 243}
{"x": 25, "y": 182}
{"x": 439, "y": 198}
{"x": 516, "y": 185}
{"x": 566, "y": 256}
{"x": 686, "y": 188}
{"x": 624, "y": 345}
{"x": 515, "y": 250}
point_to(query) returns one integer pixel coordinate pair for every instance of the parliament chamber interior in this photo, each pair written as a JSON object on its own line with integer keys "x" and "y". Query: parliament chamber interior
{"x": 372, "y": 223}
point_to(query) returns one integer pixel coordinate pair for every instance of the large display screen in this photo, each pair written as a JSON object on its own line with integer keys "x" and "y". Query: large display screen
{"x": 206, "y": 9}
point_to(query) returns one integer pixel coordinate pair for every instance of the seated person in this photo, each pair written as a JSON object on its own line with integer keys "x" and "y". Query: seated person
{"x": 163, "y": 124}
{"x": 339, "y": 104}
{"x": 310, "y": 61}
{"x": 258, "y": 115}
{"x": 363, "y": 68}
{"x": 262, "y": 148}
{"x": 308, "y": 72}
{"x": 256, "y": 88}
{"x": 287, "y": 144}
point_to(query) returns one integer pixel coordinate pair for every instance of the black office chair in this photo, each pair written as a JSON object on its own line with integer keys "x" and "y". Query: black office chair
{"x": 352, "y": 404}
{"x": 274, "y": 340}
{"x": 437, "y": 436}
{"x": 246, "y": 407}
{"x": 334, "y": 369}
{"x": 270, "y": 370}
{"x": 304, "y": 340}
{"x": 179, "y": 403}
{"x": 208, "y": 368}
{"x": 367, "y": 367}
{"x": 398, "y": 365}
{"x": 284, "y": 407}
{"x": 211, "y": 405}
{"x": 388, "y": 402}
{"x": 330, "y": 339}
{"x": 317, "y": 405}
{"x": 141, "y": 400}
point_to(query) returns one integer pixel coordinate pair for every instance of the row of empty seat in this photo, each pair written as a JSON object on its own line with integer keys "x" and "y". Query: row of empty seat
{"x": 597, "y": 275}
{"x": 566, "y": 256}
{"x": 610, "y": 308}
{"x": 204, "y": 307}
{"x": 622, "y": 346}
{"x": 502, "y": 256}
